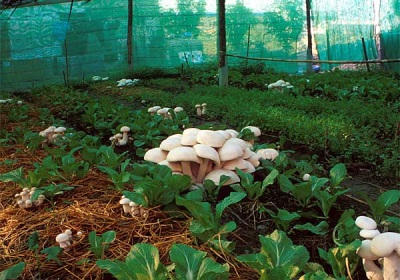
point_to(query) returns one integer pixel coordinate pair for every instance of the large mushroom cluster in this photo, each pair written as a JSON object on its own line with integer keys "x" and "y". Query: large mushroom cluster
{"x": 207, "y": 154}
{"x": 24, "y": 198}
{"x": 52, "y": 133}
{"x": 380, "y": 251}
{"x": 279, "y": 85}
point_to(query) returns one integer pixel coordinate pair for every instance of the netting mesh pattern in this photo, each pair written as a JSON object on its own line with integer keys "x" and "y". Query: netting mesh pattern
{"x": 60, "y": 41}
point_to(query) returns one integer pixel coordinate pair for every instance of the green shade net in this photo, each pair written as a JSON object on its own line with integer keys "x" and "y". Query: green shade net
{"x": 47, "y": 44}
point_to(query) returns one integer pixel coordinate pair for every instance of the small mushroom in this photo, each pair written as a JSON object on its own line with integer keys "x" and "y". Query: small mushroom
{"x": 203, "y": 108}
{"x": 198, "y": 110}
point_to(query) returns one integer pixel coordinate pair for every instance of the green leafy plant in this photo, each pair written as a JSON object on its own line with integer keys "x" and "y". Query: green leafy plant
{"x": 345, "y": 230}
{"x": 13, "y": 272}
{"x": 110, "y": 158}
{"x": 156, "y": 186}
{"x": 119, "y": 179}
{"x": 34, "y": 178}
{"x": 384, "y": 201}
{"x": 278, "y": 258}
{"x": 100, "y": 244}
{"x": 282, "y": 218}
{"x": 190, "y": 263}
{"x": 337, "y": 258}
{"x": 206, "y": 224}
{"x": 142, "y": 262}
{"x": 50, "y": 191}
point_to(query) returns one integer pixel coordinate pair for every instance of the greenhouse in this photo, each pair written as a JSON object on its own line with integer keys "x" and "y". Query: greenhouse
{"x": 200, "y": 139}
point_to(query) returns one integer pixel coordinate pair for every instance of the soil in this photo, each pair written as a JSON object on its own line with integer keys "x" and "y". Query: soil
{"x": 93, "y": 206}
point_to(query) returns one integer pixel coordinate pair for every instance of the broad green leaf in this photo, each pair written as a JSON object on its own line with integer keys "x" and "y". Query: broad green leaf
{"x": 118, "y": 269}
{"x": 258, "y": 262}
{"x": 338, "y": 173}
{"x": 15, "y": 176}
{"x": 33, "y": 241}
{"x": 12, "y": 272}
{"x": 145, "y": 260}
{"x": 52, "y": 253}
{"x": 285, "y": 184}
{"x": 187, "y": 261}
{"x": 321, "y": 229}
{"x": 95, "y": 244}
{"x": 388, "y": 198}
{"x": 280, "y": 251}
{"x": 234, "y": 197}
{"x": 107, "y": 238}
{"x": 211, "y": 270}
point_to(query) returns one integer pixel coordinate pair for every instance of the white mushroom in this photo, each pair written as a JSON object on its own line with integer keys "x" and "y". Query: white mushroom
{"x": 387, "y": 246}
{"x": 184, "y": 155}
{"x": 198, "y": 110}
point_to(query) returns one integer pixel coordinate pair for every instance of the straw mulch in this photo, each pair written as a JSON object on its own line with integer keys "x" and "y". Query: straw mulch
{"x": 91, "y": 206}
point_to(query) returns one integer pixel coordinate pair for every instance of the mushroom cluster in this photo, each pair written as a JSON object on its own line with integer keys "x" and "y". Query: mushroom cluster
{"x": 24, "y": 198}
{"x": 130, "y": 207}
{"x": 52, "y": 133}
{"x": 201, "y": 109}
{"x": 206, "y": 154}
{"x": 380, "y": 251}
{"x": 127, "y": 82}
{"x": 64, "y": 239}
{"x": 163, "y": 111}
{"x": 120, "y": 139}
{"x": 9, "y": 101}
{"x": 280, "y": 85}
{"x": 99, "y": 79}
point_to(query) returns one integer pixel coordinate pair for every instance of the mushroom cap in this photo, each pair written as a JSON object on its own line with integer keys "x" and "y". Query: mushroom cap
{"x": 178, "y": 109}
{"x": 365, "y": 222}
{"x": 124, "y": 201}
{"x": 171, "y": 142}
{"x": 189, "y": 136}
{"x": 60, "y": 129}
{"x": 183, "y": 154}
{"x": 364, "y": 251}
{"x": 216, "y": 174}
{"x": 247, "y": 153}
{"x": 235, "y": 163}
{"x": 268, "y": 153}
{"x": 210, "y": 138}
{"x": 254, "y": 129}
{"x": 384, "y": 244}
{"x": 369, "y": 233}
{"x": 230, "y": 151}
{"x": 163, "y": 111}
{"x": 237, "y": 141}
{"x": 232, "y": 132}
{"x": 225, "y": 133}
{"x": 207, "y": 152}
{"x": 155, "y": 155}
{"x": 62, "y": 237}
{"x": 153, "y": 109}
{"x": 175, "y": 167}
{"x": 125, "y": 129}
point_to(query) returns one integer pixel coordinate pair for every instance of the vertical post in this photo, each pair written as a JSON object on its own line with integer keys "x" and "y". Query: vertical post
{"x": 248, "y": 46}
{"x": 377, "y": 29}
{"x": 221, "y": 45}
{"x": 130, "y": 33}
{"x": 309, "y": 36}
{"x": 365, "y": 53}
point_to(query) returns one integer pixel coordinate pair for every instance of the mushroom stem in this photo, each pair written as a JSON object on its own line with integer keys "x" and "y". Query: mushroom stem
{"x": 372, "y": 271}
{"x": 187, "y": 170}
{"x": 391, "y": 267}
{"x": 202, "y": 170}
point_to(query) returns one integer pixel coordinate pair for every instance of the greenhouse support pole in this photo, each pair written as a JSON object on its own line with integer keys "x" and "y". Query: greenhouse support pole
{"x": 248, "y": 46}
{"x": 309, "y": 36}
{"x": 221, "y": 45}
{"x": 365, "y": 53}
{"x": 130, "y": 29}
